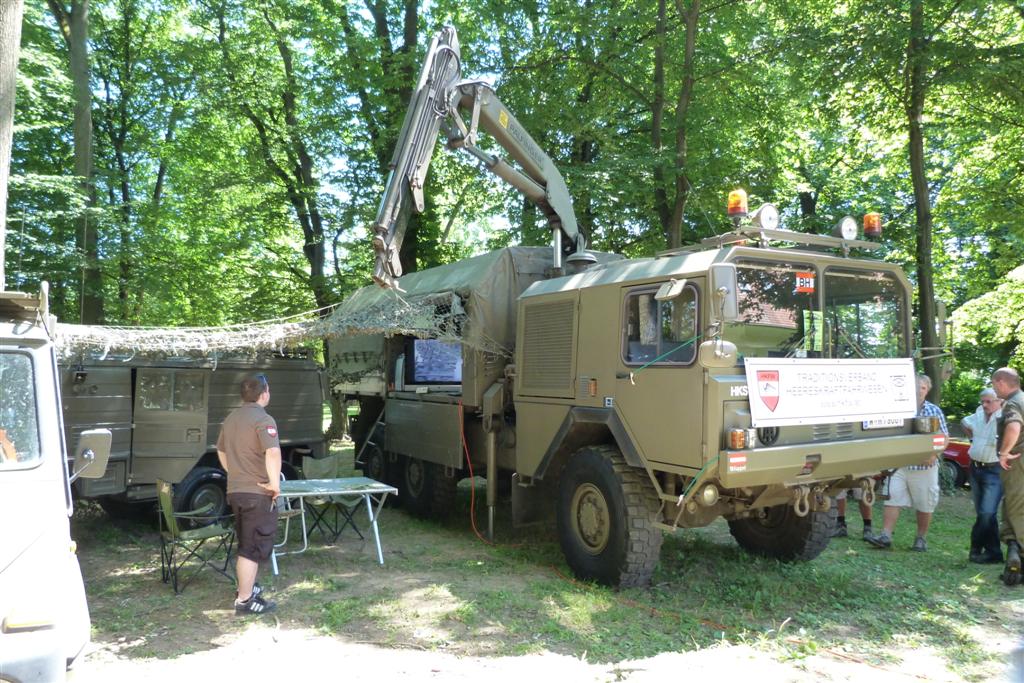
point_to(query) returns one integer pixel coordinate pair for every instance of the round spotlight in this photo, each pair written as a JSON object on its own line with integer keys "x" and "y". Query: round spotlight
{"x": 708, "y": 495}
{"x": 846, "y": 228}
{"x": 766, "y": 217}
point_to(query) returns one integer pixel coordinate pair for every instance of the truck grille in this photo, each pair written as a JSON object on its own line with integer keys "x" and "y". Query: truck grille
{"x": 832, "y": 432}
{"x": 548, "y": 337}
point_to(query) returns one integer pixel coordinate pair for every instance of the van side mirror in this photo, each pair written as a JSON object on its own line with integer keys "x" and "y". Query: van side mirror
{"x": 725, "y": 298}
{"x": 92, "y": 453}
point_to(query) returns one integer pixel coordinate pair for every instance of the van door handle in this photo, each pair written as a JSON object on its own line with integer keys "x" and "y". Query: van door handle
{"x": 192, "y": 434}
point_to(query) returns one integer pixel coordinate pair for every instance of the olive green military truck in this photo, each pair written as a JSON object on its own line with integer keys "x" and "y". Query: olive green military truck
{"x": 44, "y": 619}
{"x": 165, "y": 415}
{"x": 750, "y": 377}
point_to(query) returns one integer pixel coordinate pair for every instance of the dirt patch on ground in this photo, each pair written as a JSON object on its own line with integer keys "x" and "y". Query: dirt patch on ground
{"x": 445, "y": 606}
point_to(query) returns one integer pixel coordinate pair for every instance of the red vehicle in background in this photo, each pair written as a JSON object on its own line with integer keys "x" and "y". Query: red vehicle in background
{"x": 956, "y": 463}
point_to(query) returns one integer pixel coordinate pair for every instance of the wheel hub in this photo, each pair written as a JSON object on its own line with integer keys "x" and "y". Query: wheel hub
{"x": 414, "y": 476}
{"x": 591, "y": 520}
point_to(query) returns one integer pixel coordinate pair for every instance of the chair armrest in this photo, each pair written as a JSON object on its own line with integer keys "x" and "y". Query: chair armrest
{"x": 202, "y": 514}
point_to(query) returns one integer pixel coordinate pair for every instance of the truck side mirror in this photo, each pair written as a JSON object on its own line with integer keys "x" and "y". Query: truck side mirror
{"x": 724, "y": 288}
{"x": 91, "y": 454}
{"x": 717, "y": 353}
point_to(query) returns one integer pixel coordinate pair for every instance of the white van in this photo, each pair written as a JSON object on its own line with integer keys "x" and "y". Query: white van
{"x": 44, "y": 620}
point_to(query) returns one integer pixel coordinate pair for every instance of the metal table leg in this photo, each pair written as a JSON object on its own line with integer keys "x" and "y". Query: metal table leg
{"x": 373, "y": 514}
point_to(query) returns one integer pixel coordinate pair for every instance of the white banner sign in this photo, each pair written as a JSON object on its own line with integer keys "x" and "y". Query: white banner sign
{"x": 803, "y": 391}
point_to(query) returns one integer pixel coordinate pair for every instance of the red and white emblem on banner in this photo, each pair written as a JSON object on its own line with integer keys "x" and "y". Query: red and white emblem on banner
{"x": 768, "y": 388}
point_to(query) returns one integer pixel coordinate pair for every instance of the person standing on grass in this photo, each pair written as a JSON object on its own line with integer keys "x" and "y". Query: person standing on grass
{"x": 986, "y": 485}
{"x": 915, "y": 486}
{"x": 250, "y": 453}
{"x": 1006, "y": 382}
{"x": 865, "y": 514}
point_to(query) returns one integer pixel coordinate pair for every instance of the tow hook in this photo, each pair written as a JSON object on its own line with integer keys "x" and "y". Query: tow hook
{"x": 867, "y": 487}
{"x": 822, "y": 502}
{"x": 801, "y": 501}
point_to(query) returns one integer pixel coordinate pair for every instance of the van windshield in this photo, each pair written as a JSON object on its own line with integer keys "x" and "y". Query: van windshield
{"x": 19, "y": 424}
{"x": 785, "y": 312}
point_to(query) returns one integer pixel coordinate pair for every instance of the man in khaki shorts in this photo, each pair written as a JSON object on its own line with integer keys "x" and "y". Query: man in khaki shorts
{"x": 915, "y": 486}
{"x": 249, "y": 451}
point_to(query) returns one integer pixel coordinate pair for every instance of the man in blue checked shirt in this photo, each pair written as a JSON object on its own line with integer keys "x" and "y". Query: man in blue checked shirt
{"x": 915, "y": 486}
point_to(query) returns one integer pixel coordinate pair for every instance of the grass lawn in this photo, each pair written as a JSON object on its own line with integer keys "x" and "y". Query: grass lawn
{"x": 442, "y": 588}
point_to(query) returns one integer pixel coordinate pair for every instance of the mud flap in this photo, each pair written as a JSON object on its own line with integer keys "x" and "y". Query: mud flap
{"x": 531, "y": 504}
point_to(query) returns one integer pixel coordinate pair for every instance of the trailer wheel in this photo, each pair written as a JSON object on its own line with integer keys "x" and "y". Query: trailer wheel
{"x": 202, "y": 486}
{"x": 778, "y": 532}
{"x": 425, "y": 490}
{"x": 606, "y": 519}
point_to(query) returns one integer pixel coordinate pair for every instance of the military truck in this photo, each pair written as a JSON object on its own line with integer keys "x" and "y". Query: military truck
{"x": 44, "y": 619}
{"x": 165, "y": 416}
{"x": 749, "y": 377}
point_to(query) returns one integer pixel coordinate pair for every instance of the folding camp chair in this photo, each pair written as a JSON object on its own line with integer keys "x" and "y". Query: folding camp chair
{"x": 332, "y": 514}
{"x": 285, "y": 512}
{"x": 203, "y": 544}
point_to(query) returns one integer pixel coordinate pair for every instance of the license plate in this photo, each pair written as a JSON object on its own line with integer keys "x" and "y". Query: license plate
{"x": 883, "y": 423}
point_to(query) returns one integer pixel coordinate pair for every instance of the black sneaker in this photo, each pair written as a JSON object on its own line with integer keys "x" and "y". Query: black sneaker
{"x": 840, "y": 531}
{"x": 880, "y": 541}
{"x": 256, "y": 590}
{"x": 254, "y": 605}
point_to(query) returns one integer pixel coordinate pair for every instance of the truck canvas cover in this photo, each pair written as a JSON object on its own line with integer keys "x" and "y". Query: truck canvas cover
{"x": 472, "y": 301}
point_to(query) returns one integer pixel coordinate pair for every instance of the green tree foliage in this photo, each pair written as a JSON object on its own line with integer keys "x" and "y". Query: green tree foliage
{"x": 240, "y": 148}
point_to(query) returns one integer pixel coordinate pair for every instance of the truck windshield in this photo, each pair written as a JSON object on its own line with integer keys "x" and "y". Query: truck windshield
{"x": 19, "y": 426}
{"x": 864, "y": 314}
{"x": 786, "y": 312}
{"x": 778, "y": 316}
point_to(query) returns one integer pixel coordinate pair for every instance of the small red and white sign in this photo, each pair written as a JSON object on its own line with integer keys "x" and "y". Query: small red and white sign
{"x": 272, "y": 431}
{"x": 737, "y": 462}
{"x": 768, "y": 388}
{"x": 805, "y": 283}
{"x": 939, "y": 442}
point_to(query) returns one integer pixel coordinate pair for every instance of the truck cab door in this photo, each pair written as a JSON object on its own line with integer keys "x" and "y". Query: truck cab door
{"x": 169, "y": 426}
{"x": 659, "y": 395}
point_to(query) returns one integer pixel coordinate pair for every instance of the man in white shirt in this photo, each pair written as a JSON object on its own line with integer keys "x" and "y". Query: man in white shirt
{"x": 986, "y": 485}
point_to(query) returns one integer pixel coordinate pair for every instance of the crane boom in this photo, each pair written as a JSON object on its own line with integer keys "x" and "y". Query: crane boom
{"x": 438, "y": 100}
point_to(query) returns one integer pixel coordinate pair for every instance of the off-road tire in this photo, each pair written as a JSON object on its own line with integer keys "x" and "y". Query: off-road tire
{"x": 606, "y": 519}
{"x": 424, "y": 488}
{"x": 779, "y": 533}
{"x": 201, "y": 486}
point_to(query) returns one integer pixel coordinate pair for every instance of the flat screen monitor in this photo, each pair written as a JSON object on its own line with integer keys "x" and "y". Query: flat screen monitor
{"x": 436, "y": 362}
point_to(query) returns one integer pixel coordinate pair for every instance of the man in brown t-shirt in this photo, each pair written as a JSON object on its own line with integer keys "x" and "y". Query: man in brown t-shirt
{"x": 249, "y": 451}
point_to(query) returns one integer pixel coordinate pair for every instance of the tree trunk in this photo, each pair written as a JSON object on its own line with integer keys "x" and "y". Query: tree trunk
{"x": 671, "y": 208}
{"x": 915, "y": 88}
{"x": 74, "y": 25}
{"x": 10, "y": 43}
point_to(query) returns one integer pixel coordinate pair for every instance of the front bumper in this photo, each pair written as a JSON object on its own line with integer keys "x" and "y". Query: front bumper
{"x": 33, "y": 657}
{"x": 830, "y": 459}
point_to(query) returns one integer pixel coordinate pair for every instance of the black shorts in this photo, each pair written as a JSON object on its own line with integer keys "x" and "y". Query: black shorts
{"x": 255, "y": 524}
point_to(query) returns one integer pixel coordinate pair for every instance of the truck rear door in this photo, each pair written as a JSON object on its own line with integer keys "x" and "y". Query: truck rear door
{"x": 169, "y": 426}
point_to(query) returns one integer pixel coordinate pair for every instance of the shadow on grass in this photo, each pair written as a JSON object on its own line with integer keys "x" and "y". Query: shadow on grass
{"x": 443, "y": 589}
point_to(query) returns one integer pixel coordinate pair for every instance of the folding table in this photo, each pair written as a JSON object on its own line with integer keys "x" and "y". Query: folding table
{"x": 371, "y": 491}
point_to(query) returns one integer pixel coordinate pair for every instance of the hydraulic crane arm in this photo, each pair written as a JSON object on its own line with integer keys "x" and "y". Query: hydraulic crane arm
{"x": 437, "y": 102}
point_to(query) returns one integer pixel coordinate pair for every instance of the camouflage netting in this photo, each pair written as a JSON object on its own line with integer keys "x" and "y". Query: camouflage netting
{"x": 394, "y": 314}
{"x": 472, "y": 302}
